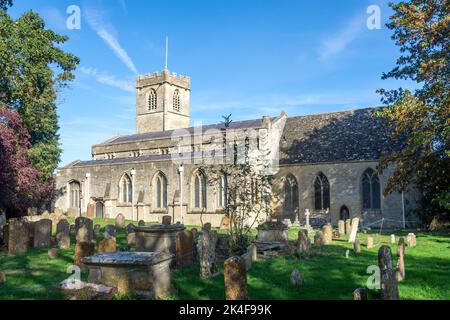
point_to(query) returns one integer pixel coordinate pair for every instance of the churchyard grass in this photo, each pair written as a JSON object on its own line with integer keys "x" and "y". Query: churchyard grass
{"x": 326, "y": 273}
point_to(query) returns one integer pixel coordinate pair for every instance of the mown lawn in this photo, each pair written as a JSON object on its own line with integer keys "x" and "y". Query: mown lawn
{"x": 326, "y": 274}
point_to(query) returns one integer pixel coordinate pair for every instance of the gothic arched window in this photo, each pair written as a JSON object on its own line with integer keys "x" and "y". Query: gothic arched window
{"x": 126, "y": 189}
{"x": 152, "y": 100}
{"x": 321, "y": 192}
{"x": 222, "y": 192}
{"x": 161, "y": 191}
{"x": 199, "y": 190}
{"x": 176, "y": 101}
{"x": 371, "y": 190}
{"x": 290, "y": 196}
{"x": 74, "y": 195}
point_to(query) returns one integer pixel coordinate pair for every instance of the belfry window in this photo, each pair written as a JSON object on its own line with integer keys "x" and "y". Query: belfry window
{"x": 176, "y": 101}
{"x": 152, "y": 100}
{"x": 321, "y": 192}
{"x": 371, "y": 194}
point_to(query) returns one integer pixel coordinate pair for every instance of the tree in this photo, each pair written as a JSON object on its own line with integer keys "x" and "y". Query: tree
{"x": 20, "y": 183}
{"x": 4, "y": 4}
{"x": 33, "y": 68}
{"x": 421, "y": 28}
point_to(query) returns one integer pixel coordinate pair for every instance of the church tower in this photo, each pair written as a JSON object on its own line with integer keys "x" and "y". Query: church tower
{"x": 162, "y": 102}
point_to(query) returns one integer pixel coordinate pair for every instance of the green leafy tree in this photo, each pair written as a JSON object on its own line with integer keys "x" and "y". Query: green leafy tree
{"x": 421, "y": 28}
{"x": 33, "y": 67}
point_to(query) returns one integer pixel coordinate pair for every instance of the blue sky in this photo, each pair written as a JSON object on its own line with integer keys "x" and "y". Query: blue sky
{"x": 249, "y": 58}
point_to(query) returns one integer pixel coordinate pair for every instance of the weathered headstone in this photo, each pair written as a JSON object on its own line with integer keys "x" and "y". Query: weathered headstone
{"x": 392, "y": 238}
{"x": 347, "y": 253}
{"x": 97, "y": 229}
{"x": 110, "y": 231}
{"x": 327, "y": 234}
{"x": 348, "y": 226}
{"x": 225, "y": 223}
{"x": 353, "y": 233}
{"x": 307, "y": 215}
{"x": 252, "y": 250}
{"x": 296, "y": 279}
{"x": 130, "y": 228}
{"x": 52, "y": 253}
{"x": 247, "y": 261}
{"x": 369, "y": 242}
{"x": 341, "y": 226}
{"x": 107, "y": 245}
{"x": 83, "y": 249}
{"x": 42, "y": 233}
{"x": 166, "y": 220}
{"x": 411, "y": 240}
{"x": 90, "y": 212}
{"x": 207, "y": 254}
{"x": 235, "y": 279}
{"x": 141, "y": 223}
{"x": 400, "y": 274}
{"x": 131, "y": 238}
{"x": 357, "y": 247}
{"x": 389, "y": 287}
{"x": 184, "y": 249}
{"x": 18, "y": 238}
{"x": 319, "y": 239}
{"x": 87, "y": 234}
{"x": 304, "y": 243}
{"x": 360, "y": 294}
{"x": 120, "y": 221}
{"x": 207, "y": 226}
{"x": 63, "y": 234}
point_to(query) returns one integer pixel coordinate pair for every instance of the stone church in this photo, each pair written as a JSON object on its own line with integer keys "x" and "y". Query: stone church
{"x": 327, "y": 166}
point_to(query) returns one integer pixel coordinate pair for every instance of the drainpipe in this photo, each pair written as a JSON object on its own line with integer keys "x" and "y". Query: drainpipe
{"x": 133, "y": 174}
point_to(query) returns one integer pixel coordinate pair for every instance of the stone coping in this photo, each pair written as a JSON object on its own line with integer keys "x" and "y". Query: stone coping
{"x": 128, "y": 258}
{"x": 160, "y": 228}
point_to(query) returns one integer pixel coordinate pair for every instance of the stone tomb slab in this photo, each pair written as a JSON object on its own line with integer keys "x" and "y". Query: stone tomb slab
{"x": 158, "y": 238}
{"x": 137, "y": 273}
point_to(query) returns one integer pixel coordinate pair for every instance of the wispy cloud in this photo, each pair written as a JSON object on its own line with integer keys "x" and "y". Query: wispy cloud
{"x": 106, "y": 32}
{"x": 339, "y": 41}
{"x": 107, "y": 79}
{"x": 123, "y": 5}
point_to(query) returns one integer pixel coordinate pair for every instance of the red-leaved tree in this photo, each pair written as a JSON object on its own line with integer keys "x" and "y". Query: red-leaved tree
{"x": 21, "y": 185}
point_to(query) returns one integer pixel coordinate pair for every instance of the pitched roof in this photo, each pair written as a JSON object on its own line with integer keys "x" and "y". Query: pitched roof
{"x": 335, "y": 137}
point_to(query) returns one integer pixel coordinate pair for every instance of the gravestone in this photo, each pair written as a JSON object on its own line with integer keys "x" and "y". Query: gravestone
{"x": 72, "y": 229}
{"x": 88, "y": 232}
{"x": 347, "y": 253}
{"x": 357, "y": 247}
{"x": 207, "y": 226}
{"x": 120, "y": 221}
{"x": 83, "y": 249}
{"x": 166, "y": 220}
{"x": 42, "y": 233}
{"x": 90, "y": 213}
{"x": 235, "y": 279}
{"x": 225, "y": 223}
{"x": 194, "y": 232}
{"x": 348, "y": 226}
{"x": 107, "y": 245}
{"x": 369, "y": 242}
{"x": 141, "y": 223}
{"x": 18, "y": 237}
{"x": 411, "y": 240}
{"x": 207, "y": 254}
{"x": 96, "y": 230}
{"x": 2, "y": 277}
{"x": 327, "y": 231}
{"x": 307, "y": 216}
{"x": 392, "y": 238}
{"x": 389, "y": 287}
{"x": 360, "y": 294}
{"x": 341, "y": 226}
{"x": 400, "y": 274}
{"x": 353, "y": 233}
{"x": 131, "y": 238}
{"x": 252, "y": 250}
{"x": 319, "y": 239}
{"x": 52, "y": 253}
{"x": 184, "y": 249}
{"x": 130, "y": 228}
{"x": 110, "y": 231}
{"x": 62, "y": 234}
{"x": 247, "y": 261}
{"x": 303, "y": 241}
{"x": 296, "y": 279}
{"x": 31, "y": 234}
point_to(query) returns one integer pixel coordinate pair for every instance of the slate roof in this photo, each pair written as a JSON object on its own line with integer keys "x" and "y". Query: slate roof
{"x": 335, "y": 137}
{"x": 354, "y": 135}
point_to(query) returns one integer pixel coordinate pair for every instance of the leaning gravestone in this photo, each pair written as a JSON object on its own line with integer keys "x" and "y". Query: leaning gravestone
{"x": 341, "y": 226}
{"x": 235, "y": 279}
{"x": 355, "y": 223}
{"x": 400, "y": 274}
{"x": 348, "y": 226}
{"x": 42, "y": 233}
{"x": 207, "y": 253}
{"x": 327, "y": 234}
{"x": 88, "y": 234}
{"x": 184, "y": 249}
{"x": 120, "y": 221}
{"x": 389, "y": 287}
{"x": 62, "y": 234}
{"x": 303, "y": 241}
{"x": 18, "y": 237}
